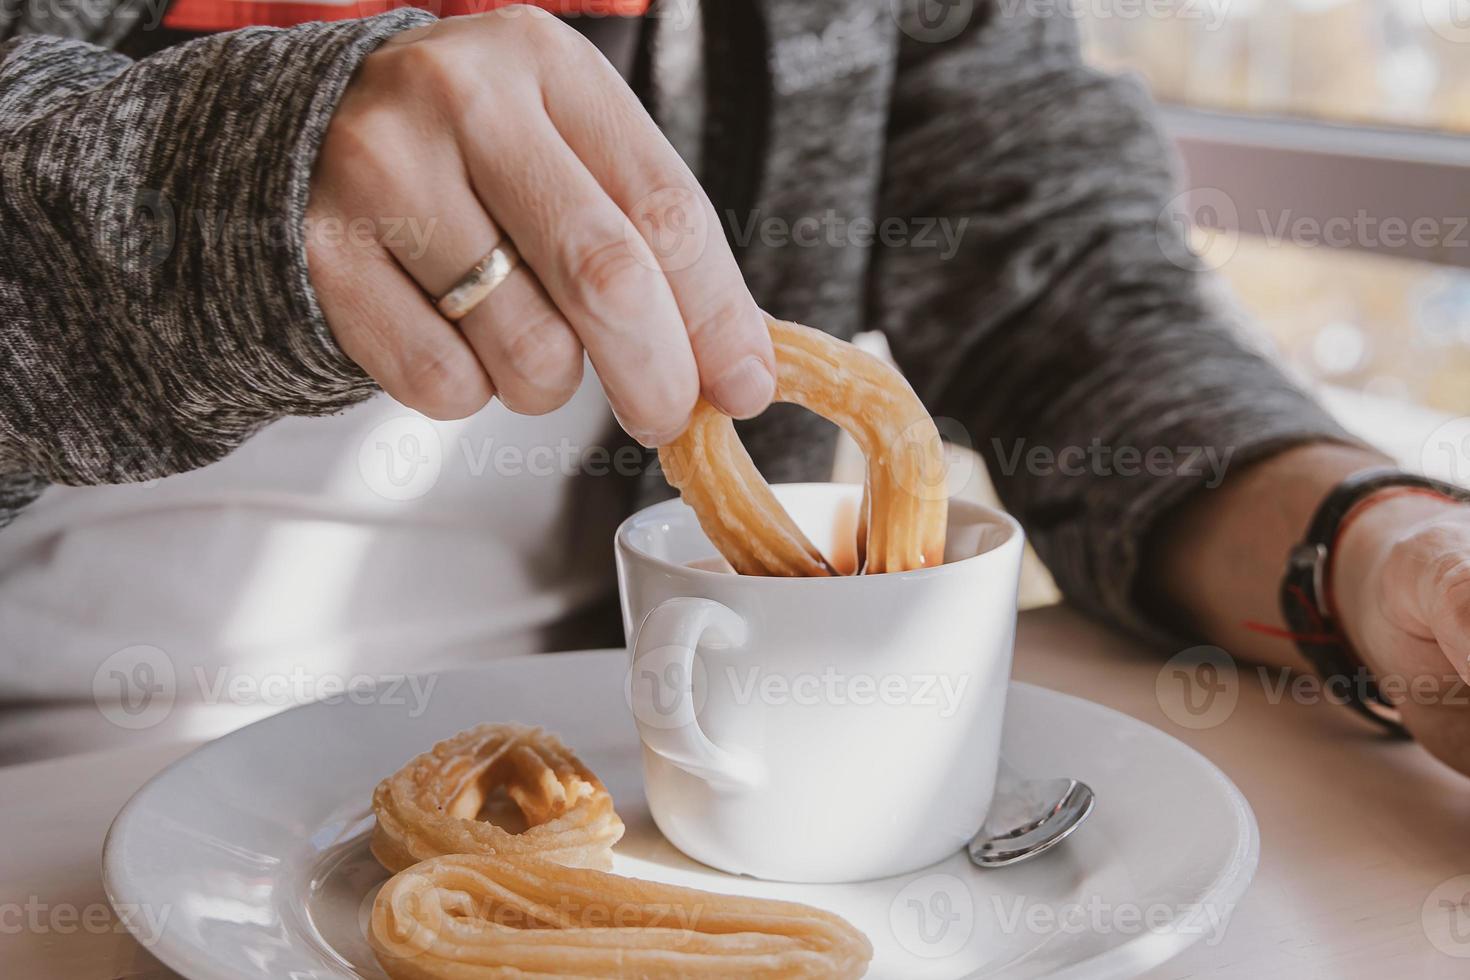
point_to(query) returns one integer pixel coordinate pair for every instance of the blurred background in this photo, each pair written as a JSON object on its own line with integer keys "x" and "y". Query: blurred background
{"x": 1323, "y": 89}
{"x": 1325, "y": 147}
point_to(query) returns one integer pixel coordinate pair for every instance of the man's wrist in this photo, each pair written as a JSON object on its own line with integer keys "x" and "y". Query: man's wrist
{"x": 1327, "y": 630}
{"x": 1219, "y": 557}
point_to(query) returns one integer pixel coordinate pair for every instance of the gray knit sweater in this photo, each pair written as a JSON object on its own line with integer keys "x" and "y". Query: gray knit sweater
{"x": 155, "y": 308}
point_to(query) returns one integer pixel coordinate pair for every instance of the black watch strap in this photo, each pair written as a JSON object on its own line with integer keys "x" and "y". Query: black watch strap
{"x": 1304, "y": 599}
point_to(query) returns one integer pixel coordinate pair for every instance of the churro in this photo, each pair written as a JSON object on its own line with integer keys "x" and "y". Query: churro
{"x": 486, "y": 917}
{"x": 429, "y": 807}
{"x": 904, "y": 510}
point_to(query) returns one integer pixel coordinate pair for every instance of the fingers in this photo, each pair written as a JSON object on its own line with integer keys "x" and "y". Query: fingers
{"x": 535, "y": 356}
{"x": 1435, "y": 706}
{"x": 1449, "y": 618}
{"x": 608, "y": 129}
{"x": 434, "y": 226}
{"x": 595, "y": 268}
{"x": 525, "y": 343}
{"x": 1447, "y": 603}
{"x": 383, "y": 321}
{"x": 1423, "y": 651}
{"x": 450, "y": 131}
{"x": 1427, "y": 588}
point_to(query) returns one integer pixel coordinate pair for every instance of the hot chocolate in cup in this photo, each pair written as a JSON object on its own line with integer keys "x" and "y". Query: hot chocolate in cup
{"x": 818, "y": 729}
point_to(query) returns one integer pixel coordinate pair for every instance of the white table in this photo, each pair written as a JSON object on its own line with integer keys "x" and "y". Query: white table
{"x": 1356, "y": 832}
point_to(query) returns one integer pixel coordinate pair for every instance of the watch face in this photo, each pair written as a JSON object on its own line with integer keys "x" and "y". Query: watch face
{"x": 1309, "y": 559}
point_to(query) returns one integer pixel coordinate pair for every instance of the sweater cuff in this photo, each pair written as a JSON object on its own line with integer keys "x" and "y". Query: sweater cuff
{"x": 155, "y": 304}
{"x": 308, "y": 349}
{"x": 1098, "y": 560}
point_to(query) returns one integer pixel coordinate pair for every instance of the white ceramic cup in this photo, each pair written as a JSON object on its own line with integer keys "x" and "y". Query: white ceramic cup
{"x": 818, "y": 729}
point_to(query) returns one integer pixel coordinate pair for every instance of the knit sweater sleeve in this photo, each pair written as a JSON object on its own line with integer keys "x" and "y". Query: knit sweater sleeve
{"x": 155, "y": 308}
{"x": 1069, "y": 331}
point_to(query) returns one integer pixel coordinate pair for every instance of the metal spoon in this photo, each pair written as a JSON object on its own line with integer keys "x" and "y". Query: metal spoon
{"x": 1029, "y": 817}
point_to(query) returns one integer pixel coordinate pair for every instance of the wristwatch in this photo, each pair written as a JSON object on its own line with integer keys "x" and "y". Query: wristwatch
{"x": 1306, "y": 602}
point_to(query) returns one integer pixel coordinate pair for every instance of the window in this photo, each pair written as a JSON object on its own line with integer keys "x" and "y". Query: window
{"x": 1386, "y": 62}
{"x": 1327, "y": 151}
{"x": 1379, "y": 325}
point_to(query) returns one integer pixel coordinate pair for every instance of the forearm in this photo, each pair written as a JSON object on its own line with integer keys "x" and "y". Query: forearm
{"x": 1214, "y": 564}
{"x": 155, "y": 309}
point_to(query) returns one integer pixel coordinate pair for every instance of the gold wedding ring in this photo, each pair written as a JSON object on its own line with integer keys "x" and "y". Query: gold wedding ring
{"x": 479, "y": 282}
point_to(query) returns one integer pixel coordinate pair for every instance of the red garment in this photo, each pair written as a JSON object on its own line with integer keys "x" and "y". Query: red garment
{"x": 227, "y": 15}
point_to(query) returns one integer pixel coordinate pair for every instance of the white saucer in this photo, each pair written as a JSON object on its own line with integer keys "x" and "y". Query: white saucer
{"x": 252, "y": 850}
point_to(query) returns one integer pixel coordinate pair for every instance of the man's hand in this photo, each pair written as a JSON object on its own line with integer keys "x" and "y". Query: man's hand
{"x": 1401, "y": 582}
{"x": 1402, "y": 587}
{"x": 509, "y": 124}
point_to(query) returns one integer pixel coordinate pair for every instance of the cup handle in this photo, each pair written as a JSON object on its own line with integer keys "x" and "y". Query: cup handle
{"x": 661, "y": 688}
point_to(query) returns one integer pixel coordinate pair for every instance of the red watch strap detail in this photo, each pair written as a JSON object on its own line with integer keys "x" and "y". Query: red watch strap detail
{"x": 1323, "y": 634}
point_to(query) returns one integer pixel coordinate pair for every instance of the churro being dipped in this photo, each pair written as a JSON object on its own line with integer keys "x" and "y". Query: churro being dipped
{"x": 905, "y": 504}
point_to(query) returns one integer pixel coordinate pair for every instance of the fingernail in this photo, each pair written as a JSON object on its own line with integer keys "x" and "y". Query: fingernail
{"x": 654, "y": 440}
{"x": 744, "y": 390}
{"x": 648, "y": 438}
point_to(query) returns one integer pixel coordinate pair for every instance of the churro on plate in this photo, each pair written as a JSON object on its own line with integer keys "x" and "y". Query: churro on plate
{"x": 905, "y": 504}
{"x": 488, "y": 904}
{"x": 480, "y": 916}
{"x": 429, "y": 807}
